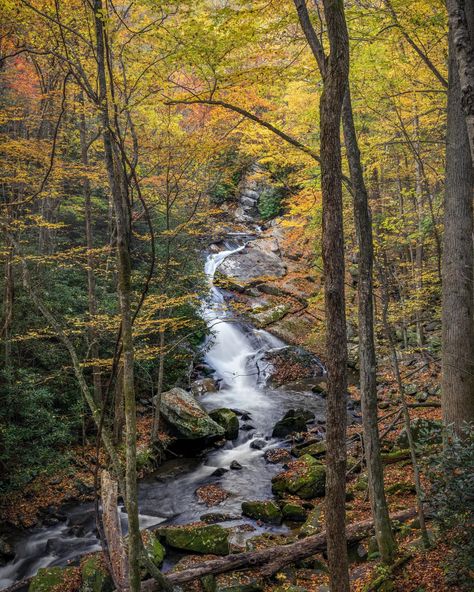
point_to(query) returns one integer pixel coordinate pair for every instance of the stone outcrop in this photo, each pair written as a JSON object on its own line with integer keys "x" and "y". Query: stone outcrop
{"x": 186, "y": 417}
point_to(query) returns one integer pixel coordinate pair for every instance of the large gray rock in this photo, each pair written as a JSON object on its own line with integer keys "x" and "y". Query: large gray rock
{"x": 287, "y": 364}
{"x": 257, "y": 260}
{"x": 181, "y": 411}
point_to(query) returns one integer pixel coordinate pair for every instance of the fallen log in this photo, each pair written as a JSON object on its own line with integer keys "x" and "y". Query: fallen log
{"x": 273, "y": 558}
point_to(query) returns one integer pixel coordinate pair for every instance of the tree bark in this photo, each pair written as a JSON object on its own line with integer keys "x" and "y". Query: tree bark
{"x": 118, "y": 188}
{"x": 458, "y": 261}
{"x": 368, "y": 367}
{"x": 462, "y": 47}
{"x": 113, "y": 531}
{"x": 335, "y": 84}
{"x": 367, "y": 356}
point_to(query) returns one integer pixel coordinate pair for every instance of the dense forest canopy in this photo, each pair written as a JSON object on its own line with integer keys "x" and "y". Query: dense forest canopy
{"x": 237, "y": 271}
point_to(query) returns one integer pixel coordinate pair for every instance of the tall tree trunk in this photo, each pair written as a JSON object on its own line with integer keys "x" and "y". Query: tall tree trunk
{"x": 462, "y": 52}
{"x": 91, "y": 284}
{"x": 118, "y": 188}
{"x": 367, "y": 357}
{"x": 335, "y": 84}
{"x": 368, "y": 366}
{"x": 458, "y": 290}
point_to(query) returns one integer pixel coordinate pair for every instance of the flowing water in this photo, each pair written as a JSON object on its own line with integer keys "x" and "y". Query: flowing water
{"x": 168, "y": 496}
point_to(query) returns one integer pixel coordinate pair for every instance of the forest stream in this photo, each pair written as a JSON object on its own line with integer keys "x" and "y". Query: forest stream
{"x": 168, "y": 495}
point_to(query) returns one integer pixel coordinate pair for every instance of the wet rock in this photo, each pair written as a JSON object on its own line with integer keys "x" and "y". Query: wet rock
{"x": 215, "y": 517}
{"x": 258, "y": 444}
{"x": 210, "y": 538}
{"x": 294, "y": 512}
{"x": 294, "y": 420}
{"x": 203, "y": 386}
{"x": 305, "y": 477}
{"x": 7, "y": 552}
{"x": 247, "y": 427}
{"x": 290, "y": 364}
{"x": 266, "y": 511}
{"x": 228, "y": 420}
{"x": 255, "y": 261}
{"x": 182, "y": 412}
{"x": 219, "y": 472}
{"x": 269, "y": 315}
{"x": 50, "y": 579}
{"x": 94, "y": 576}
{"x": 316, "y": 449}
{"x": 235, "y": 465}
{"x": 211, "y": 494}
{"x": 155, "y": 550}
{"x": 277, "y": 455}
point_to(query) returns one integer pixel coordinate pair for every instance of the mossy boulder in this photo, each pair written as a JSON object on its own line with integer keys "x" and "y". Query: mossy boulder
{"x": 186, "y": 417}
{"x": 228, "y": 420}
{"x": 94, "y": 576}
{"x": 316, "y": 449}
{"x": 294, "y": 512}
{"x": 51, "y": 579}
{"x": 294, "y": 420}
{"x": 209, "y": 538}
{"x": 312, "y": 524}
{"x": 266, "y": 511}
{"x": 305, "y": 477}
{"x": 155, "y": 550}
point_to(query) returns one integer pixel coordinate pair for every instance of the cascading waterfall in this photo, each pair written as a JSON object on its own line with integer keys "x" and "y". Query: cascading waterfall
{"x": 169, "y": 495}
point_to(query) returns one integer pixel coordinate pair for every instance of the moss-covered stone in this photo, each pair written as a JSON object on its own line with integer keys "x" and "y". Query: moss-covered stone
{"x": 266, "y": 511}
{"x": 313, "y": 522}
{"x": 316, "y": 449}
{"x": 51, "y": 579}
{"x": 294, "y": 512}
{"x": 94, "y": 576}
{"x": 210, "y": 538}
{"x": 188, "y": 419}
{"x": 228, "y": 420}
{"x": 155, "y": 550}
{"x": 293, "y": 421}
{"x": 305, "y": 477}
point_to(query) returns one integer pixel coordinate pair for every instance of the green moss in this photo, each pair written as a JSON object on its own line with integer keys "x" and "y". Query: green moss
{"x": 267, "y": 511}
{"x": 94, "y": 576}
{"x": 50, "y": 579}
{"x": 313, "y": 522}
{"x": 154, "y": 548}
{"x": 294, "y": 512}
{"x": 228, "y": 420}
{"x": 317, "y": 449}
{"x": 305, "y": 477}
{"x": 201, "y": 539}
